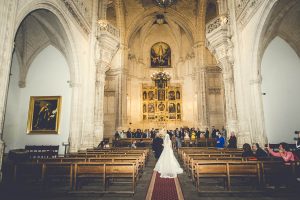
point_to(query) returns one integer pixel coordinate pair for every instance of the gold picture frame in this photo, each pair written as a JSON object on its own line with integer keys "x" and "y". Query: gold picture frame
{"x": 44, "y": 114}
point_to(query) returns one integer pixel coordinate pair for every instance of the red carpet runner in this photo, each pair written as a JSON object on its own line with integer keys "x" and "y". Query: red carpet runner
{"x": 164, "y": 188}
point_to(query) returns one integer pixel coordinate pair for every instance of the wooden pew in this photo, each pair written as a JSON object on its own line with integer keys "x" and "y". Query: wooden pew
{"x": 60, "y": 170}
{"x": 227, "y": 170}
{"x": 106, "y": 172}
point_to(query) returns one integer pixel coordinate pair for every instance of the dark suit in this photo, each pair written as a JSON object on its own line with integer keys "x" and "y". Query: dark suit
{"x": 157, "y": 146}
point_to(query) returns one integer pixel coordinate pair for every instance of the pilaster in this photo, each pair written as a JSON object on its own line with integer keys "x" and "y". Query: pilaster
{"x": 107, "y": 46}
{"x": 217, "y": 34}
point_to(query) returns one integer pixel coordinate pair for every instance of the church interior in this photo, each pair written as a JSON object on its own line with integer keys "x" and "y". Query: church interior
{"x": 87, "y": 88}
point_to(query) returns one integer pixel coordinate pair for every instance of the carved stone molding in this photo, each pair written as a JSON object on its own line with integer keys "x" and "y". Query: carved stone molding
{"x": 80, "y": 12}
{"x": 217, "y": 23}
{"x": 245, "y": 9}
{"x": 214, "y": 91}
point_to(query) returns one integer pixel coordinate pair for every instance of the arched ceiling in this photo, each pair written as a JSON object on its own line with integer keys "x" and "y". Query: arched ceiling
{"x": 38, "y": 30}
{"x": 283, "y": 21}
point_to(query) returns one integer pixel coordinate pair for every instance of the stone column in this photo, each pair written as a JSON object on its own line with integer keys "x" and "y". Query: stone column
{"x": 102, "y": 67}
{"x": 230, "y": 99}
{"x": 106, "y": 47}
{"x": 7, "y": 31}
{"x": 218, "y": 37}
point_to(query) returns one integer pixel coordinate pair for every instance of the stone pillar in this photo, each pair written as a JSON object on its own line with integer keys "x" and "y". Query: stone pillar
{"x": 230, "y": 99}
{"x": 218, "y": 37}
{"x": 106, "y": 47}
{"x": 76, "y": 118}
{"x": 7, "y": 32}
{"x": 201, "y": 98}
{"x": 102, "y": 67}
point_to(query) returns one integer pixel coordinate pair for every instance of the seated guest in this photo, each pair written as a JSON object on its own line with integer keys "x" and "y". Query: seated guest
{"x": 283, "y": 152}
{"x": 232, "y": 141}
{"x": 247, "y": 152}
{"x": 220, "y": 140}
{"x": 133, "y": 145}
{"x": 106, "y": 145}
{"x": 259, "y": 152}
{"x": 101, "y": 145}
{"x": 141, "y": 144}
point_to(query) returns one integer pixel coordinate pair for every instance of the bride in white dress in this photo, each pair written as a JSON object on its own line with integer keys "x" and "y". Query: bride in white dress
{"x": 167, "y": 165}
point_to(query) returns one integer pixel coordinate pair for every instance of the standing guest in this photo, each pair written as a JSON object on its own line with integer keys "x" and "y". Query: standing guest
{"x": 232, "y": 142}
{"x": 259, "y": 152}
{"x": 138, "y": 133}
{"x": 133, "y": 134}
{"x": 283, "y": 152}
{"x": 220, "y": 140}
{"x": 213, "y": 132}
{"x": 157, "y": 146}
{"x": 178, "y": 138}
{"x": 206, "y": 133}
{"x": 122, "y": 134}
{"x": 224, "y": 133}
{"x": 129, "y": 134}
{"x": 152, "y": 133}
{"x": 247, "y": 151}
{"x": 117, "y": 135}
{"x": 198, "y": 133}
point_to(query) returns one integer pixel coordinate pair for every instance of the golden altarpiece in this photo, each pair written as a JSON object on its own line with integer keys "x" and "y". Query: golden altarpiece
{"x": 161, "y": 102}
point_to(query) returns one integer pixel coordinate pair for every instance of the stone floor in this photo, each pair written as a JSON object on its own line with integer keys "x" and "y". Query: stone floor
{"x": 189, "y": 191}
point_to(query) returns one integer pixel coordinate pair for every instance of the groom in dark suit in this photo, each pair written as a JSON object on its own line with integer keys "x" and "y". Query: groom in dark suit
{"x": 157, "y": 146}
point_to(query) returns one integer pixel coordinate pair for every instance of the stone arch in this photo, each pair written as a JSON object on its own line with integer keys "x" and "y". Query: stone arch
{"x": 267, "y": 30}
{"x": 56, "y": 10}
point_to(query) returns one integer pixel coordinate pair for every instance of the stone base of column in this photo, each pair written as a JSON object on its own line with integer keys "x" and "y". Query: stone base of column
{"x": 1, "y": 157}
{"x": 98, "y": 135}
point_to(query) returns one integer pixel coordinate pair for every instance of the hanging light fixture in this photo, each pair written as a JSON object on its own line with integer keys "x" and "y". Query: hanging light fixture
{"x": 165, "y": 3}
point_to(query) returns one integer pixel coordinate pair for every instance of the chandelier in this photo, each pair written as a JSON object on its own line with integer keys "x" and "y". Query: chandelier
{"x": 165, "y": 3}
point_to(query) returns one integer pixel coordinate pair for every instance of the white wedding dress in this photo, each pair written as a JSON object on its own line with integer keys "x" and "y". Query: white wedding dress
{"x": 167, "y": 165}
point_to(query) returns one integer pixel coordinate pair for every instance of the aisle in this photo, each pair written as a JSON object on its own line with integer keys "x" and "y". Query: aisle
{"x": 164, "y": 188}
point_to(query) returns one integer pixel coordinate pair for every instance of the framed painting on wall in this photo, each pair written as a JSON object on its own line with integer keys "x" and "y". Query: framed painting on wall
{"x": 160, "y": 55}
{"x": 44, "y": 114}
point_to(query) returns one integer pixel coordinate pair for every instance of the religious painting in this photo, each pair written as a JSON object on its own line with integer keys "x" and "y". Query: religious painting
{"x": 178, "y": 107}
{"x": 44, "y": 114}
{"x": 161, "y": 95}
{"x": 160, "y": 55}
{"x": 172, "y": 108}
{"x": 171, "y": 95}
{"x": 144, "y": 95}
{"x": 151, "y": 95}
{"x": 161, "y": 106}
{"x": 151, "y": 108}
{"x": 177, "y": 95}
{"x": 172, "y": 117}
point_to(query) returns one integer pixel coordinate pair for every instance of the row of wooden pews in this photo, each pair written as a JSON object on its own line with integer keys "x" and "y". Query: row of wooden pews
{"x": 228, "y": 165}
{"x": 122, "y": 167}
